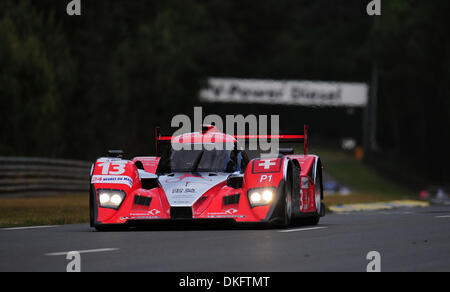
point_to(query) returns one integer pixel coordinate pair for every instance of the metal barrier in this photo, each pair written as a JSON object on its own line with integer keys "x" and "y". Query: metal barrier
{"x": 20, "y": 175}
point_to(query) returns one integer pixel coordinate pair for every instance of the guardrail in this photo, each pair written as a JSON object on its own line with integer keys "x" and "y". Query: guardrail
{"x": 20, "y": 175}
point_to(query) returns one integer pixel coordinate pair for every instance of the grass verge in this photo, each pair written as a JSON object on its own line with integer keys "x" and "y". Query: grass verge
{"x": 368, "y": 185}
{"x": 51, "y": 210}
{"x": 361, "y": 198}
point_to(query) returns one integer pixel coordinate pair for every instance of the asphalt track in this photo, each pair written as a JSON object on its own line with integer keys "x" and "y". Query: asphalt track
{"x": 407, "y": 239}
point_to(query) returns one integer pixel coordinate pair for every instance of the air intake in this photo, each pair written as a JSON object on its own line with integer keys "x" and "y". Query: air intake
{"x": 142, "y": 201}
{"x": 231, "y": 200}
{"x": 181, "y": 213}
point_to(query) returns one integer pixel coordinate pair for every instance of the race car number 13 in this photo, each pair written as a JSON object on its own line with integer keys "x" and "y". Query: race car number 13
{"x": 113, "y": 168}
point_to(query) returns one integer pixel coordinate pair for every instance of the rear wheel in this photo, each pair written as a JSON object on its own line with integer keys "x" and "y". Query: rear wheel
{"x": 318, "y": 195}
{"x": 313, "y": 220}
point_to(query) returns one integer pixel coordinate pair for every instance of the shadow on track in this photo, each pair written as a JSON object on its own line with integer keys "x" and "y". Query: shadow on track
{"x": 200, "y": 225}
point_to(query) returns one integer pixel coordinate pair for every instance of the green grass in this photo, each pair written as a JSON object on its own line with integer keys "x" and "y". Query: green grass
{"x": 361, "y": 198}
{"x": 51, "y": 210}
{"x": 367, "y": 184}
{"x": 355, "y": 174}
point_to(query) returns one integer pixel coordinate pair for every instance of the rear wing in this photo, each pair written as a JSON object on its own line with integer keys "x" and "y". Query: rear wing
{"x": 282, "y": 138}
{"x": 159, "y": 139}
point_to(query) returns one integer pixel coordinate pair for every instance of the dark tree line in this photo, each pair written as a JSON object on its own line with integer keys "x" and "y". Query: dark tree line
{"x": 74, "y": 86}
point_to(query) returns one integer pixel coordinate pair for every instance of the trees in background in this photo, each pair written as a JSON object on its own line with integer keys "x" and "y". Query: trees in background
{"x": 74, "y": 86}
{"x": 36, "y": 77}
{"x": 412, "y": 46}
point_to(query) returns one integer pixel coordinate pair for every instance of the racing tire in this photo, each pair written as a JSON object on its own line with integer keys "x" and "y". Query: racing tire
{"x": 311, "y": 221}
{"x": 287, "y": 211}
{"x": 286, "y": 214}
{"x": 101, "y": 228}
{"x": 91, "y": 208}
{"x": 282, "y": 215}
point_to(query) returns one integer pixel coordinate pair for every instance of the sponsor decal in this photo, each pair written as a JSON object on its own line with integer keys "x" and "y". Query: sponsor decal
{"x": 143, "y": 217}
{"x": 225, "y": 216}
{"x": 154, "y": 212}
{"x": 183, "y": 190}
{"x": 109, "y": 179}
{"x": 230, "y": 213}
{"x": 267, "y": 166}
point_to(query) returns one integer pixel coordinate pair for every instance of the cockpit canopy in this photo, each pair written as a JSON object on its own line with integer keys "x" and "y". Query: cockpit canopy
{"x": 203, "y": 158}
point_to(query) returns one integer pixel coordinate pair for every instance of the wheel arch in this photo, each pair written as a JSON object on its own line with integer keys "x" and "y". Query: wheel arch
{"x": 318, "y": 172}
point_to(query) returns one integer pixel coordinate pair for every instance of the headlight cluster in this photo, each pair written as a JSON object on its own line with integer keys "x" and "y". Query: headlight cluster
{"x": 111, "y": 199}
{"x": 261, "y": 197}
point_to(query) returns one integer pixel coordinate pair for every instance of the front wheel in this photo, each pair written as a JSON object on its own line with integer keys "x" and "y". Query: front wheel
{"x": 286, "y": 214}
{"x": 91, "y": 208}
{"x": 282, "y": 215}
{"x": 287, "y": 210}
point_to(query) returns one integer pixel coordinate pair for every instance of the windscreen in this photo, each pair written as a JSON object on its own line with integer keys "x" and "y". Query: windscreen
{"x": 201, "y": 161}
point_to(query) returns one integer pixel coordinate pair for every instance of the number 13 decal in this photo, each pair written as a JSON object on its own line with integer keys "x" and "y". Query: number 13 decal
{"x": 113, "y": 168}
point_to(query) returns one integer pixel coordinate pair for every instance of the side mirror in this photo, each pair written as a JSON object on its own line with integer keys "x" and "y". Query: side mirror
{"x": 235, "y": 182}
{"x": 148, "y": 180}
{"x": 116, "y": 153}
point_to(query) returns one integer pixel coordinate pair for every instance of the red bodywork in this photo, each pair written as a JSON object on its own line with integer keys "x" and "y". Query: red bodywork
{"x": 218, "y": 200}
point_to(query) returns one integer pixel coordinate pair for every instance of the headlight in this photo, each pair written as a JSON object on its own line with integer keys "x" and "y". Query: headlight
{"x": 268, "y": 196}
{"x": 111, "y": 199}
{"x": 261, "y": 197}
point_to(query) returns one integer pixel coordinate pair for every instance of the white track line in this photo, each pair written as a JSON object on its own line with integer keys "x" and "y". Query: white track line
{"x": 302, "y": 229}
{"x": 446, "y": 216}
{"x": 26, "y": 228}
{"x": 82, "y": 251}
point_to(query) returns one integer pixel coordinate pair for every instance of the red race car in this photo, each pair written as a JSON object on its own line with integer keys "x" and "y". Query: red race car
{"x": 198, "y": 184}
